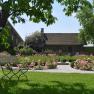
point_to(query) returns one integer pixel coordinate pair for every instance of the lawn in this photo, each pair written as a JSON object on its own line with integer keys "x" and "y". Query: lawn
{"x": 49, "y": 83}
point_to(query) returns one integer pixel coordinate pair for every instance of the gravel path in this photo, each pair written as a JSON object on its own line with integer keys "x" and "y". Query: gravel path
{"x": 64, "y": 69}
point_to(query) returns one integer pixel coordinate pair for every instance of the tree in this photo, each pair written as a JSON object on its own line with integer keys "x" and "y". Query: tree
{"x": 86, "y": 19}
{"x": 36, "y": 41}
{"x": 83, "y": 37}
{"x": 36, "y": 10}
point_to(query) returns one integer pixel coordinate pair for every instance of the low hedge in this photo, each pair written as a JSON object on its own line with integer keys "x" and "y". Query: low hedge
{"x": 74, "y": 58}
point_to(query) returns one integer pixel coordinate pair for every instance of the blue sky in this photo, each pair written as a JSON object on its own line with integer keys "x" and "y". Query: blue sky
{"x": 64, "y": 24}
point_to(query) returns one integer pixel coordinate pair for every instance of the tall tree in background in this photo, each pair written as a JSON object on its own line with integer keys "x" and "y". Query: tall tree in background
{"x": 36, "y": 41}
{"x": 86, "y": 19}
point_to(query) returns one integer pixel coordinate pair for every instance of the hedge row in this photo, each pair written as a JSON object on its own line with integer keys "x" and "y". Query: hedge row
{"x": 74, "y": 58}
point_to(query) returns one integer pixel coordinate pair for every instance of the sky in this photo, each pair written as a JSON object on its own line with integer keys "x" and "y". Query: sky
{"x": 64, "y": 24}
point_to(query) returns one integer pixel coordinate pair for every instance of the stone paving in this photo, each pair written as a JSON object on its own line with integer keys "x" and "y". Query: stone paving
{"x": 64, "y": 69}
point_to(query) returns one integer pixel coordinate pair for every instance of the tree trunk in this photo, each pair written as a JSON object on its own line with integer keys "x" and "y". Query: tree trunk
{"x": 3, "y": 18}
{"x": 4, "y": 14}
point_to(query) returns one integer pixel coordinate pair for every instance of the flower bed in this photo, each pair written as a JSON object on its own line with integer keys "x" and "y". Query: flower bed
{"x": 32, "y": 62}
{"x": 39, "y": 61}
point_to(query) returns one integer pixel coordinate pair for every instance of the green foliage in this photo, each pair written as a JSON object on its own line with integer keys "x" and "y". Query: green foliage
{"x": 23, "y": 50}
{"x": 36, "y": 41}
{"x": 5, "y": 39}
{"x": 86, "y": 19}
{"x": 71, "y": 6}
{"x": 67, "y": 58}
{"x": 37, "y": 10}
{"x": 83, "y": 37}
{"x": 74, "y": 58}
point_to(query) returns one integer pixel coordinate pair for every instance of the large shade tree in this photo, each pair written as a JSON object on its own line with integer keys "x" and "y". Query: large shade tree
{"x": 36, "y": 10}
{"x": 86, "y": 19}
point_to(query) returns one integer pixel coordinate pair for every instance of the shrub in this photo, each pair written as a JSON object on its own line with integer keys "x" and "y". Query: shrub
{"x": 87, "y": 64}
{"x": 67, "y": 58}
{"x": 25, "y": 51}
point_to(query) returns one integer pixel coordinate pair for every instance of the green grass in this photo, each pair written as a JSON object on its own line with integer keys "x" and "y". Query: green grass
{"x": 49, "y": 83}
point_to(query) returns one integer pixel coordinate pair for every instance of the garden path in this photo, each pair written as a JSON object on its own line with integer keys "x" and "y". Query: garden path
{"x": 63, "y": 69}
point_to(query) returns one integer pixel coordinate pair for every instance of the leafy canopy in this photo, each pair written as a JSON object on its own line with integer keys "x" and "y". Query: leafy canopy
{"x": 38, "y": 10}
{"x": 37, "y": 40}
{"x": 86, "y": 19}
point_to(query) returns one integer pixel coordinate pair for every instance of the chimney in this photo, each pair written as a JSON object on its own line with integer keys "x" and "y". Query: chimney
{"x": 42, "y": 30}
